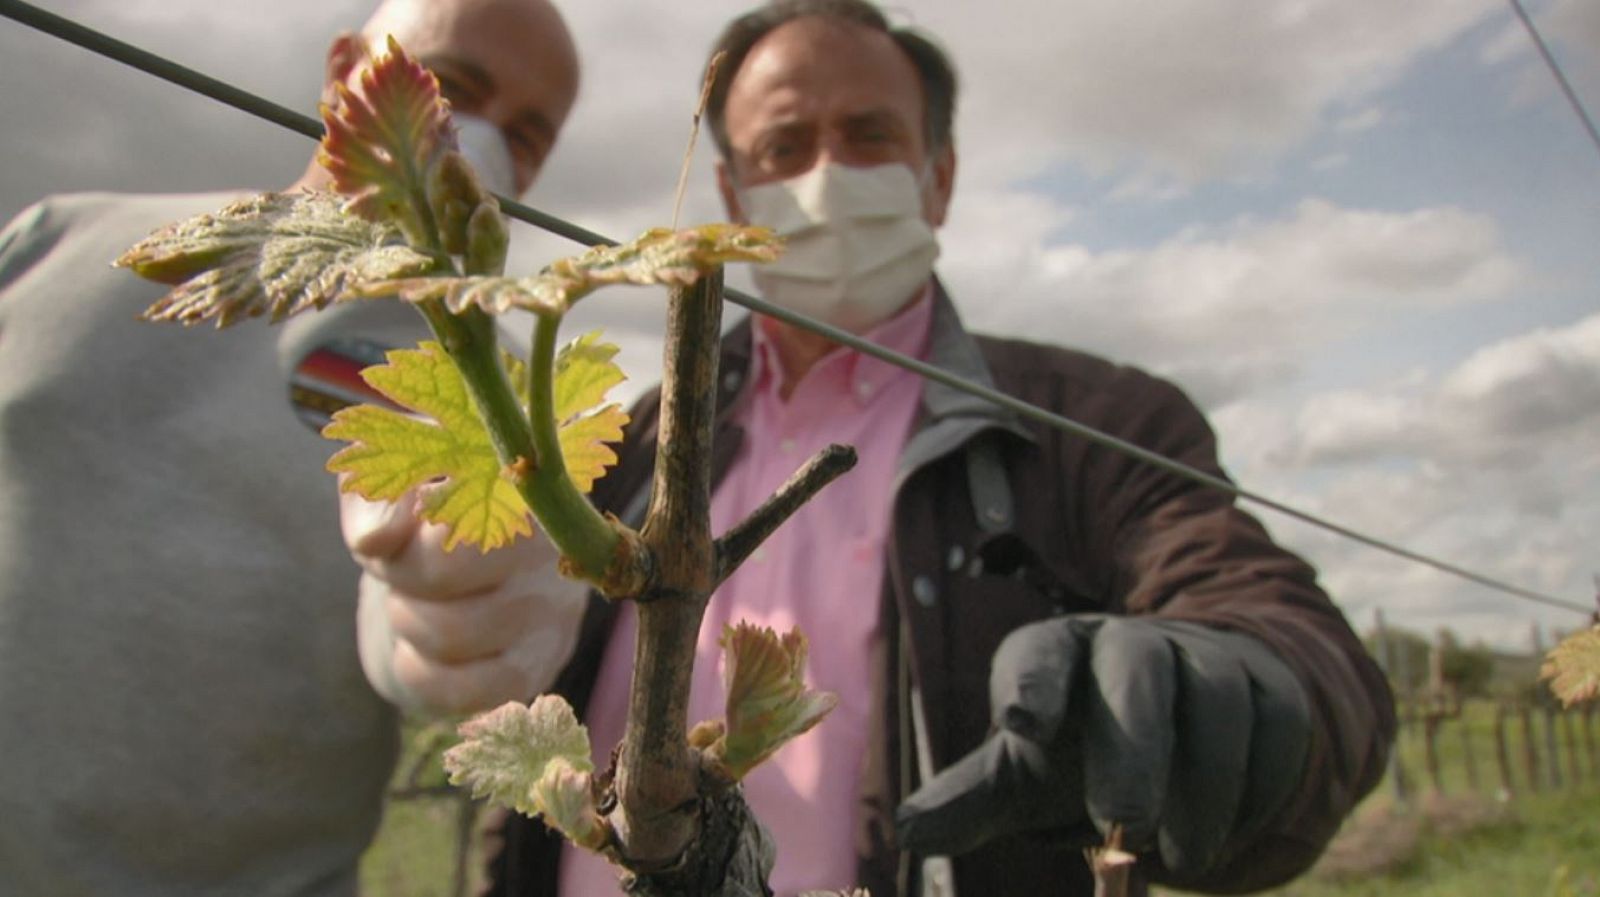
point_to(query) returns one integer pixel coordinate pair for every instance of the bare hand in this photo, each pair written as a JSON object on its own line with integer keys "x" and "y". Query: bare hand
{"x": 461, "y": 631}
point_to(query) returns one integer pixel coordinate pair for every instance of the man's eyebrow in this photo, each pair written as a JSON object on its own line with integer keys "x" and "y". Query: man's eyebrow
{"x": 537, "y": 120}
{"x": 872, "y": 117}
{"x": 483, "y": 82}
{"x": 465, "y": 69}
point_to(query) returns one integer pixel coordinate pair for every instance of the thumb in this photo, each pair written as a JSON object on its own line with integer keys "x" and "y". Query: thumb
{"x": 1012, "y": 782}
{"x": 377, "y": 529}
{"x": 1008, "y": 785}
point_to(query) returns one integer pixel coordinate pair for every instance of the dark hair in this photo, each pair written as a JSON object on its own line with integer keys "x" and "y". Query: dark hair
{"x": 933, "y": 67}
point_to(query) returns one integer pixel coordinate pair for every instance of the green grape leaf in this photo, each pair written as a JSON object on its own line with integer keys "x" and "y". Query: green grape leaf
{"x": 768, "y": 702}
{"x": 585, "y": 372}
{"x": 276, "y": 254}
{"x": 564, "y": 795}
{"x": 1573, "y": 667}
{"x": 391, "y": 452}
{"x": 505, "y": 752}
{"x": 382, "y": 139}
{"x": 584, "y": 444}
{"x": 659, "y": 256}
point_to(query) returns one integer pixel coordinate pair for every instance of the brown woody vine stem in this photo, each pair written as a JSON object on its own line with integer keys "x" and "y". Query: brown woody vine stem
{"x": 661, "y": 793}
{"x": 658, "y": 774}
{"x": 737, "y": 543}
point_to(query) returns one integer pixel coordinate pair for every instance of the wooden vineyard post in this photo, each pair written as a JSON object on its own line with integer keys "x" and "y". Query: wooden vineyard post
{"x": 1502, "y": 755}
{"x": 1530, "y": 752}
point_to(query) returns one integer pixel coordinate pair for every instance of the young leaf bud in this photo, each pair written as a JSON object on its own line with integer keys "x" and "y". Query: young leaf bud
{"x": 453, "y": 193}
{"x": 487, "y": 240}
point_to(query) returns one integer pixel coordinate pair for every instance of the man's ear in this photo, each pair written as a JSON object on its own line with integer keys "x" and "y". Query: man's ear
{"x": 730, "y": 196}
{"x": 347, "y": 51}
{"x": 941, "y": 186}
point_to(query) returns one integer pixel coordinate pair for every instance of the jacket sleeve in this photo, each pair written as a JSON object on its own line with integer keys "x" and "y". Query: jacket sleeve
{"x": 1183, "y": 550}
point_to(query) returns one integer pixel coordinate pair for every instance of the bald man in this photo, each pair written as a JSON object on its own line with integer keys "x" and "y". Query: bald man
{"x": 184, "y": 709}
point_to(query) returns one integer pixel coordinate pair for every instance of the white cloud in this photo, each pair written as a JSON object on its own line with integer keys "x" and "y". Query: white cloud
{"x": 1330, "y": 162}
{"x": 1490, "y": 465}
{"x": 1361, "y": 120}
{"x": 1185, "y": 88}
{"x": 1226, "y": 307}
{"x": 1533, "y": 395}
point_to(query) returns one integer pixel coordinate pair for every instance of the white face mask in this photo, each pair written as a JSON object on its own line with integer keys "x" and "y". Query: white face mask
{"x": 857, "y": 248}
{"x": 485, "y": 148}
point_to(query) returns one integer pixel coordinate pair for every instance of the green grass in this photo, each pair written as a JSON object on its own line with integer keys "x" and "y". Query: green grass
{"x": 1466, "y": 841}
{"x": 1545, "y": 844}
{"x": 414, "y": 854}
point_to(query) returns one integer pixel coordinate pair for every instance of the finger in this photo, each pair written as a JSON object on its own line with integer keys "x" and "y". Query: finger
{"x": 1008, "y": 785}
{"x": 1033, "y": 674}
{"x": 540, "y": 655}
{"x": 464, "y": 629}
{"x": 376, "y": 529}
{"x": 1280, "y": 739}
{"x": 458, "y": 688}
{"x": 1129, "y": 734}
{"x": 424, "y": 570}
{"x": 1214, "y": 725}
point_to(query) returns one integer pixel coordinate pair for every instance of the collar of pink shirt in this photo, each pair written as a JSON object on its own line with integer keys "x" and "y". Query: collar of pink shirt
{"x": 845, "y": 372}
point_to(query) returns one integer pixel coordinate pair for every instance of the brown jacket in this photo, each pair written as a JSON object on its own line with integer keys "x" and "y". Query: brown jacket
{"x": 999, "y": 522}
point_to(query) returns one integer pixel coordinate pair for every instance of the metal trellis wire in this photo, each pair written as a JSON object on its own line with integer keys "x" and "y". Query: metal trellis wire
{"x": 1558, "y": 74}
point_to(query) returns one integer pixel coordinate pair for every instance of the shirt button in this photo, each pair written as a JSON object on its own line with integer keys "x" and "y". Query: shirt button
{"x": 864, "y": 390}
{"x": 786, "y": 445}
{"x": 730, "y": 381}
{"x": 923, "y": 589}
{"x": 956, "y": 558}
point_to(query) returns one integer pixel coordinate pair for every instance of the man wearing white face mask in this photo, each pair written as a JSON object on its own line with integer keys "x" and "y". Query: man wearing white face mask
{"x": 1035, "y": 639}
{"x": 856, "y": 243}
{"x": 183, "y": 702}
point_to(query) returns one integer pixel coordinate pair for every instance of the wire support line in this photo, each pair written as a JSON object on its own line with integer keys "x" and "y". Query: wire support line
{"x": 190, "y": 79}
{"x": 1560, "y": 76}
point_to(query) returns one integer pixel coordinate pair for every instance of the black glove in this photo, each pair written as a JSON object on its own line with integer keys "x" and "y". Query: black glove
{"x": 1190, "y": 738}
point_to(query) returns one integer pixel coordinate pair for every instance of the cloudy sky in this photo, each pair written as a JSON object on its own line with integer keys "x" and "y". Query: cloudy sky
{"x": 1363, "y": 234}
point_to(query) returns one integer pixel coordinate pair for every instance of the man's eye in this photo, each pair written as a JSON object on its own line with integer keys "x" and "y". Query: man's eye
{"x": 527, "y": 148}
{"x": 781, "y": 156}
{"x": 454, "y": 90}
{"x": 872, "y": 136}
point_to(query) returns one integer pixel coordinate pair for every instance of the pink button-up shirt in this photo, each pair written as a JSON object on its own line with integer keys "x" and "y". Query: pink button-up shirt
{"x": 821, "y": 571}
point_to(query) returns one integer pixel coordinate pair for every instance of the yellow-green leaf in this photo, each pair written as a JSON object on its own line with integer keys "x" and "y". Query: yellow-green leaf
{"x": 1573, "y": 667}
{"x": 276, "y": 254}
{"x": 585, "y": 372}
{"x": 584, "y": 444}
{"x": 391, "y": 452}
